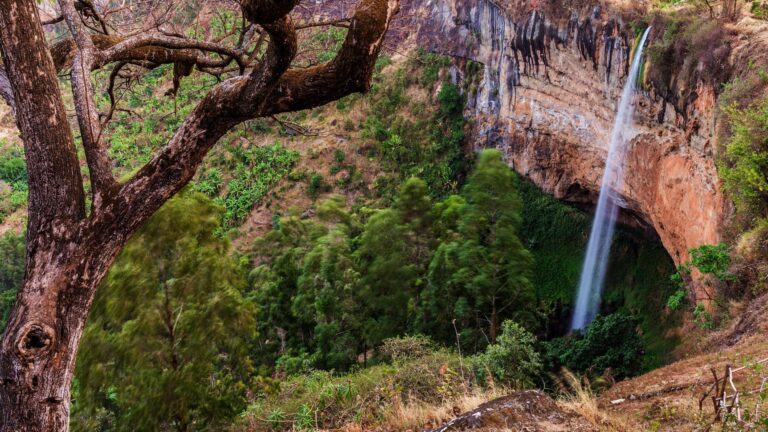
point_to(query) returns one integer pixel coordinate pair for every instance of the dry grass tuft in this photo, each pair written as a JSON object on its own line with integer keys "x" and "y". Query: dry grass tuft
{"x": 579, "y": 399}
{"x": 419, "y": 415}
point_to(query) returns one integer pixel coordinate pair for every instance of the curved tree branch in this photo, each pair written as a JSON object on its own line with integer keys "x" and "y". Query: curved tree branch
{"x": 260, "y": 94}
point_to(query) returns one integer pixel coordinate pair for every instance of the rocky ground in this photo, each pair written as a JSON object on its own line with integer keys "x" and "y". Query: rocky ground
{"x": 531, "y": 410}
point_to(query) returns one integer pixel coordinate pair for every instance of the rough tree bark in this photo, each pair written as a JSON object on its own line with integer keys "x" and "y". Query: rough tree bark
{"x": 70, "y": 250}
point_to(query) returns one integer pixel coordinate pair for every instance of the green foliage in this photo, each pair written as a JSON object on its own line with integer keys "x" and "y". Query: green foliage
{"x": 255, "y": 171}
{"x": 13, "y": 168}
{"x": 512, "y": 360}
{"x": 712, "y": 261}
{"x": 317, "y": 185}
{"x": 13, "y": 172}
{"x": 744, "y": 166}
{"x": 702, "y": 317}
{"x": 486, "y": 271}
{"x": 759, "y": 9}
{"x": 322, "y": 400}
{"x": 337, "y": 287}
{"x": 210, "y": 182}
{"x": 429, "y": 148}
{"x": 407, "y": 347}
{"x": 167, "y": 339}
{"x": 326, "y": 298}
{"x": 676, "y": 300}
{"x": 431, "y": 64}
{"x": 339, "y": 156}
{"x": 150, "y": 118}
{"x": 610, "y": 342}
{"x": 394, "y": 250}
{"x": 12, "y": 258}
{"x": 327, "y": 43}
{"x": 691, "y": 49}
{"x": 555, "y": 234}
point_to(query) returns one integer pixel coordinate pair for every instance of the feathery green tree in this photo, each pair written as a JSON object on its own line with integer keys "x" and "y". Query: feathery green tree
{"x": 395, "y": 248}
{"x": 166, "y": 343}
{"x": 483, "y": 276}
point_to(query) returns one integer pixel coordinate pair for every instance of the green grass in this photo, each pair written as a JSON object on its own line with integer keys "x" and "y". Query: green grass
{"x": 327, "y": 400}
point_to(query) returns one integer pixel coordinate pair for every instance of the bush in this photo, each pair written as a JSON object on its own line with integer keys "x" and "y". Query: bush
{"x": 317, "y": 184}
{"x": 610, "y": 342}
{"x": 407, "y": 347}
{"x": 702, "y": 317}
{"x": 744, "y": 168}
{"x": 759, "y": 9}
{"x": 323, "y": 400}
{"x": 256, "y": 170}
{"x": 711, "y": 260}
{"x": 512, "y": 360}
{"x": 676, "y": 300}
{"x": 12, "y": 258}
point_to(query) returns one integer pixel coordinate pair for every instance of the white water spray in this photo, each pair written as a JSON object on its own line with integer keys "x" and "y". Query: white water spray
{"x": 599, "y": 246}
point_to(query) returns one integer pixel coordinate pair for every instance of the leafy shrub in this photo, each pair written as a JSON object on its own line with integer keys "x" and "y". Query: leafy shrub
{"x": 317, "y": 185}
{"x": 702, "y": 317}
{"x": 610, "y": 342}
{"x": 711, "y": 260}
{"x": 407, "y": 347}
{"x": 338, "y": 155}
{"x": 431, "y": 64}
{"x": 759, "y": 9}
{"x": 13, "y": 173}
{"x": 512, "y": 360}
{"x": 744, "y": 167}
{"x": 676, "y": 300}
{"x": 12, "y": 258}
{"x": 210, "y": 182}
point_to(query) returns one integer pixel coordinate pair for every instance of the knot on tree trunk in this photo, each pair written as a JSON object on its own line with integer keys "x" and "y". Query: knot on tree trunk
{"x": 36, "y": 339}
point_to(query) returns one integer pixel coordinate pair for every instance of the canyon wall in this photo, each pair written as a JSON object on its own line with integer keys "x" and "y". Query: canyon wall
{"x": 552, "y": 77}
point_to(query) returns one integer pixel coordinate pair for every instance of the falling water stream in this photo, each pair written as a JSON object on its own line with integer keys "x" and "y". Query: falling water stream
{"x": 599, "y": 246}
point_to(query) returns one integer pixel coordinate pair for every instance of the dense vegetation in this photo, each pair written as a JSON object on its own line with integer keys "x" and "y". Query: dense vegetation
{"x": 169, "y": 334}
{"x": 338, "y": 286}
{"x": 455, "y": 282}
{"x": 445, "y": 276}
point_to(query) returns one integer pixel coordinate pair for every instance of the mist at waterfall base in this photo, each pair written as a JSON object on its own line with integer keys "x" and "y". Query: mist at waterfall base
{"x": 600, "y": 238}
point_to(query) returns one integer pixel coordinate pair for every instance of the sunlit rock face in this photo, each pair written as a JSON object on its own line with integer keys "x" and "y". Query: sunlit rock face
{"x": 552, "y": 77}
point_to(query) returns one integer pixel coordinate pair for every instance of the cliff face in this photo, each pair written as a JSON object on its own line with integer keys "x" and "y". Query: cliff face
{"x": 547, "y": 97}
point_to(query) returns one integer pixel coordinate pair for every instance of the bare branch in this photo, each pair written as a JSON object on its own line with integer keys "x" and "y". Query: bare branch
{"x": 343, "y": 23}
{"x": 99, "y": 165}
{"x": 160, "y": 48}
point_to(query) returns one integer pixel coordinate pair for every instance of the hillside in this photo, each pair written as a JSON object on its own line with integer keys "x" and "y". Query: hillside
{"x": 409, "y": 257}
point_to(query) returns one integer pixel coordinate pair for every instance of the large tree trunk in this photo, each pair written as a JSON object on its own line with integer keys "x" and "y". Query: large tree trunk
{"x": 69, "y": 251}
{"x": 39, "y": 345}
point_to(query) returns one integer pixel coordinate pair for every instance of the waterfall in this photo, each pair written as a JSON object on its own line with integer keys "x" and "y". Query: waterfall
{"x": 601, "y": 235}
